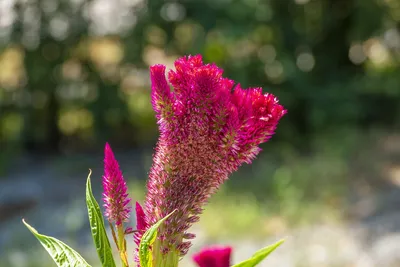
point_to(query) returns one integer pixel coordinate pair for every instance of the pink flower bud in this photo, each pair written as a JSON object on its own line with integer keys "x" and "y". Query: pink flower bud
{"x": 213, "y": 257}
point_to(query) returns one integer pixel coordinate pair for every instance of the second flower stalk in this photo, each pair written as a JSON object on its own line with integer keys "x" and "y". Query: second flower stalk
{"x": 116, "y": 202}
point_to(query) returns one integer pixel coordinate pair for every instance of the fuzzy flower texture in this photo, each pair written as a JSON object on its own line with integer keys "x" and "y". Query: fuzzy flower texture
{"x": 208, "y": 128}
{"x": 115, "y": 195}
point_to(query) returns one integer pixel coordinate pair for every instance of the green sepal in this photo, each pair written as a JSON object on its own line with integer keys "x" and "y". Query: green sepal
{"x": 62, "y": 254}
{"x": 145, "y": 253}
{"x": 97, "y": 228}
{"x": 259, "y": 256}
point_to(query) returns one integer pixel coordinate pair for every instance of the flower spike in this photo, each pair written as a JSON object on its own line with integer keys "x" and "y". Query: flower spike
{"x": 207, "y": 130}
{"x": 115, "y": 195}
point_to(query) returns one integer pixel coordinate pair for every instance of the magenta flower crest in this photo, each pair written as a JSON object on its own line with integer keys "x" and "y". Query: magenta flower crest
{"x": 207, "y": 130}
{"x": 213, "y": 257}
{"x": 115, "y": 196}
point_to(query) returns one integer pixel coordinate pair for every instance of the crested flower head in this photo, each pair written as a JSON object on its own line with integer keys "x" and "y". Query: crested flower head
{"x": 115, "y": 196}
{"x": 208, "y": 128}
{"x": 213, "y": 257}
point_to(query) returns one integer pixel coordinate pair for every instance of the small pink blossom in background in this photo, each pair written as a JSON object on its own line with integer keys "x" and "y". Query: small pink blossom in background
{"x": 115, "y": 196}
{"x": 213, "y": 257}
{"x": 208, "y": 128}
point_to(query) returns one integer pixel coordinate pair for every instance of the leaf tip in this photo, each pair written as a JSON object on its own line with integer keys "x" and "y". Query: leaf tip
{"x": 30, "y": 228}
{"x": 88, "y": 178}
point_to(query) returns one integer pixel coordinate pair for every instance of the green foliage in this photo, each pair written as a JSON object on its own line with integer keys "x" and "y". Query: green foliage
{"x": 333, "y": 68}
{"x": 259, "y": 256}
{"x": 145, "y": 252}
{"x": 63, "y": 255}
{"x": 99, "y": 234}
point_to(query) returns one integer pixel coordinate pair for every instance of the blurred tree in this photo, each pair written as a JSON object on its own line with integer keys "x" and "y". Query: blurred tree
{"x": 84, "y": 78}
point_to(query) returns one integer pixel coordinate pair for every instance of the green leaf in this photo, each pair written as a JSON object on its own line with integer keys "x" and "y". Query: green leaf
{"x": 259, "y": 256}
{"x": 63, "y": 255}
{"x": 145, "y": 253}
{"x": 99, "y": 234}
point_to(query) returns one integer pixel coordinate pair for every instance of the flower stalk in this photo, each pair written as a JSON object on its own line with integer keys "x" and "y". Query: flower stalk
{"x": 164, "y": 260}
{"x": 122, "y": 245}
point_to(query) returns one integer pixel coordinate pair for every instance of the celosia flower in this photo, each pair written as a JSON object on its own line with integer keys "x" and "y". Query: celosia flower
{"x": 213, "y": 257}
{"x": 115, "y": 196}
{"x": 206, "y": 132}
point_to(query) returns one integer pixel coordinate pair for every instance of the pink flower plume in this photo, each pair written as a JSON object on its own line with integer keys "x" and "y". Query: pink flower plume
{"x": 208, "y": 128}
{"x": 115, "y": 196}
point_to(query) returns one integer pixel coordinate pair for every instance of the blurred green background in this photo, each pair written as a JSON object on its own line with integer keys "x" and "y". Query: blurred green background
{"x": 74, "y": 74}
